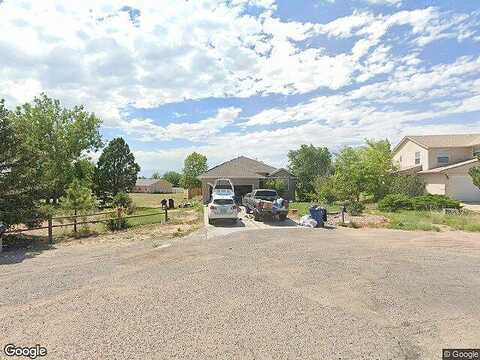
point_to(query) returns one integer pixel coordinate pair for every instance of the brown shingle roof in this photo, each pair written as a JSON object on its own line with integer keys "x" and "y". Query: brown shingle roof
{"x": 149, "y": 182}
{"x": 457, "y": 140}
{"x": 440, "y": 141}
{"x": 448, "y": 167}
{"x": 240, "y": 167}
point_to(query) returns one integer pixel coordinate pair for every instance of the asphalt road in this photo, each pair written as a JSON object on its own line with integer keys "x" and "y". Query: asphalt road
{"x": 260, "y": 294}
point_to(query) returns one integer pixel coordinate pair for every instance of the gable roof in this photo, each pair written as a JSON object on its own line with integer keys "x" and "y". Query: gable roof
{"x": 148, "y": 182}
{"x": 441, "y": 141}
{"x": 240, "y": 167}
{"x": 448, "y": 167}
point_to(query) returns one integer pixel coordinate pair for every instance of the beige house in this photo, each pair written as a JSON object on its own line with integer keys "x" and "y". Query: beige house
{"x": 152, "y": 186}
{"x": 246, "y": 175}
{"x": 443, "y": 162}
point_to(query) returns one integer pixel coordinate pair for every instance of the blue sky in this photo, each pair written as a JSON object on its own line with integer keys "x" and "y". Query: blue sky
{"x": 248, "y": 77}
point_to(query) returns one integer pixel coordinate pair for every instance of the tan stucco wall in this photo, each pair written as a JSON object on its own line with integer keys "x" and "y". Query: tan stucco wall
{"x": 435, "y": 183}
{"x": 161, "y": 186}
{"x": 407, "y": 153}
{"x": 447, "y": 183}
{"x": 455, "y": 155}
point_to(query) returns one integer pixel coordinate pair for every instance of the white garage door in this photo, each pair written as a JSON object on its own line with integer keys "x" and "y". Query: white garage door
{"x": 461, "y": 188}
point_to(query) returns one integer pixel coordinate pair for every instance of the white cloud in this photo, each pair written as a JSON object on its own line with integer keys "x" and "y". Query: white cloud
{"x": 147, "y": 130}
{"x": 96, "y": 54}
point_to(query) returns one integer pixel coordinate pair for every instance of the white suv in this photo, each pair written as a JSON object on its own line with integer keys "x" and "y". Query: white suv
{"x": 222, "y": 207}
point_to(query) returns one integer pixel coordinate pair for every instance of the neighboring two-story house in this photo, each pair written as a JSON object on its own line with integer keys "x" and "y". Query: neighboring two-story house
{"x": 443, "y": 162}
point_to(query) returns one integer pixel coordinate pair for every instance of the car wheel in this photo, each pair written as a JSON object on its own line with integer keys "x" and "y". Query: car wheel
{"x": 210, "y": 221}
{"x": 256, "y": 216}
{"x": 282, "y": 217}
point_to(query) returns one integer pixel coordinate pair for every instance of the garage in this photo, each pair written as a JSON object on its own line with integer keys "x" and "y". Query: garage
{"x": 461, "y": 187}
{"x": 246, "y": 175}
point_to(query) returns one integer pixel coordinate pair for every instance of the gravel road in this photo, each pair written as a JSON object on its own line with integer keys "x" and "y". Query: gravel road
{"x": 261, "y": 294}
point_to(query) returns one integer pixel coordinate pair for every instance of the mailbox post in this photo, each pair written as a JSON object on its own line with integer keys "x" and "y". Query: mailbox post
{"x": 3, "y": 228}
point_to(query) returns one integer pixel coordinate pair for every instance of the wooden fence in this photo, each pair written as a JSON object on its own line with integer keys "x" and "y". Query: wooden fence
{"x": 191, "y": 193}
{"x": 51, "y": 225}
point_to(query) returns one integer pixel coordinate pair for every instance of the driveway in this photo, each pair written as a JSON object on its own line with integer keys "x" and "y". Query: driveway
{"x": 260, "y": 294}
{"x": 245, "y": 222}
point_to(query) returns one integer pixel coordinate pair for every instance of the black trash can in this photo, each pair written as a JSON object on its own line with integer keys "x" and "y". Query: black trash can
{"x": 164, "y": 203}
{"x": 3, "y": 228}
{"x": 171, "y": 204}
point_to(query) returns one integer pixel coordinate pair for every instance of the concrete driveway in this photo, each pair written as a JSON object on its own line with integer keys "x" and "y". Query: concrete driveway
{"x": 261, "y": 294}
{"x": 244, "y": 223}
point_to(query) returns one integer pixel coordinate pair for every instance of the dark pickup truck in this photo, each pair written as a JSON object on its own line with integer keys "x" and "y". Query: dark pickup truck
{"x": 265, "y": 203}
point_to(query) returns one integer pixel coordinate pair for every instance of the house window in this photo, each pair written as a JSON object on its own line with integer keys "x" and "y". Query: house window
{"x": 417, "y": 158}
{"x": 401, "y": 159}
{"x": 443, "y": 158}
{"x": 476, "y": 153}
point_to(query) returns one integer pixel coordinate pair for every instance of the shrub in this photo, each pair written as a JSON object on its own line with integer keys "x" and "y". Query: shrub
{"x": 395, "y": 202}
{"x": 117, "y": 221}
{"x": 434, "y": 202}
{"x": 410, "y": 185}
{"x": 324, "y": 190}
{"x": 356, "y": 208}
{"x": 123, "y": 201}
{"x": 277, "y": 184}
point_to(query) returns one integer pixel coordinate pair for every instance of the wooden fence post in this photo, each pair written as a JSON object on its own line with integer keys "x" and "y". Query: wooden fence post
{"x": 75, "y": 223}
{"x": 50, "y": 230}
{"x": 166, "y": 213}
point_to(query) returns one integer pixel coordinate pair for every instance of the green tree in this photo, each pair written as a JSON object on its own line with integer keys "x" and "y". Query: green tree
{"x": 116, "y": 170}
{"x": 474, "y": 172}
{"x": 349, "y": 178}
{"x": 19, "y": 176}
{"x": 195, "y": 164}
{"x": 156, "y": 175}
{"x": 277, "y": 184}
{"x": 306, "y": 164}
{"x": 377, "y": 166}
{"x": 60, "y": 136}
{"x": 78, "y": 200}
{"x": 368, "y": 169}
{"x": 84, "y": 171}
{"x": 173, "y": 177}
{"x": 409, "y": 185}
{"x": 325, "y": 190}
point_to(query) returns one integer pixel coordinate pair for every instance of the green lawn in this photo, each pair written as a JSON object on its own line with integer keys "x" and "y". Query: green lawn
{"x": 432, "y": 220}
{"x": 143, "y": 200}
{"x": 303, "y": 207}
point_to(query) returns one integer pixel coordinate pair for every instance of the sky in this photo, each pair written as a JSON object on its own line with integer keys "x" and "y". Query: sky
{"x": 248, "y": 77}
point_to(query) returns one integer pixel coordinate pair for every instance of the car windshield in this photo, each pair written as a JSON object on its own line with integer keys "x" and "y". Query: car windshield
{"x": 266, "y": 193}
{"x": 223, "y": 201}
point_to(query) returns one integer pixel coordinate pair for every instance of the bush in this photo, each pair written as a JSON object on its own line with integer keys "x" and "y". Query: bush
{"x": 395, "y": 202}
{"x": 410, "y": 185}
{"x": 123, "y": 201}
{"x": 324, "y": 190}
{"x": 435, "y": 202}
{"x": 277, "y": 184}
{"x": 356, "y": 208}
{"x": 117, "y": 221}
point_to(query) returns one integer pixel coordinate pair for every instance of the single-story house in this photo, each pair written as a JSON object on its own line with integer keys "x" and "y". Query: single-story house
{"x": 246, "y": 175}
{"x": 443, "y": 162}
{"x": 152, "y": 186}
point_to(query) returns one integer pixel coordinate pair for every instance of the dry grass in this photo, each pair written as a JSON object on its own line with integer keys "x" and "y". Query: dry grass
{"x": 155, "y": 200}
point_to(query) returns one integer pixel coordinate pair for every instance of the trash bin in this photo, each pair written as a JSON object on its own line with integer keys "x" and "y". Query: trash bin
{"x": 317, "y": 214}
{"x": 171, "y": 204}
